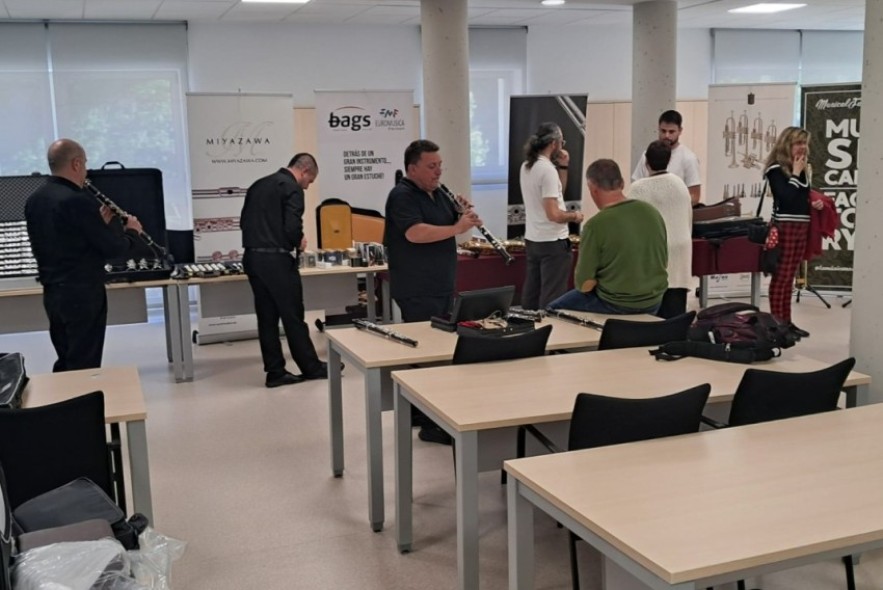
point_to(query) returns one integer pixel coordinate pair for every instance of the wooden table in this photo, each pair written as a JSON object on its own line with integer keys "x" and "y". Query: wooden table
{"x": 377, "y": 357}
{"x": 472, "y": 400}
{"x": 123, "y": 403}
{"x": 703, "y": 509}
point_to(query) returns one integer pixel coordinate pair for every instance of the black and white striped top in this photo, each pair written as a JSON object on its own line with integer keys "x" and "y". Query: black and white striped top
{"x": 790, "y": 195}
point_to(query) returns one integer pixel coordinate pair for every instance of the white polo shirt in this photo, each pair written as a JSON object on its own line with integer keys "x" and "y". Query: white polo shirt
{"x": 539, "y": 182}
{"x": 683, "y": 164}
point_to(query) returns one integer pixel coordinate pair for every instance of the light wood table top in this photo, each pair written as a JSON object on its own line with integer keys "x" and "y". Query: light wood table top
{"x": 304, "y": 272}
{"x": 542, "y": 389}
{"x": 37, "y": 289}
{"x": 123, "y": 397}
{"x": 372, "y": 350}
{"x": 712, "y": 503}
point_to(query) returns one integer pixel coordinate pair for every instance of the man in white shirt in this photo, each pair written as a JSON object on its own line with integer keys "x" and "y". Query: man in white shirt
{"x": 684, "y": 162}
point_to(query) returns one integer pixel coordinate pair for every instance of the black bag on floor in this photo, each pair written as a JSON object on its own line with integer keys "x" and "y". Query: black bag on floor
{"x": 13, "y": 379}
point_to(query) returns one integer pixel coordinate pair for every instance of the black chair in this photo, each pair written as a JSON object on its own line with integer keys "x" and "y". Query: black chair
{"x": 483, "y": 349}
{"x": 764, "y": 396}
{"x": 67, "y": 440}
{"x": 621, "y": 333}
{"x": 5, "y": 535}
{"x": 599, "y": 421}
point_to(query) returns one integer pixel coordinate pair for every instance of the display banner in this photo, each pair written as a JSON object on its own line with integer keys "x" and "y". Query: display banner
{"x": 362, "y": 137}
{"x": 234, "y": 140}
{"x": 831, "y": 114}
{"x": 744, "y": 122}
{"x": 526, "y": 113}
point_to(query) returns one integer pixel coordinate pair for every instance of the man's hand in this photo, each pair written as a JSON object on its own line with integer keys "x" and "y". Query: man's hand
{"x": 561, "y": 158}
{"x": 467, "y": 221}
{"x": 106, "y": 213}
{"x": 133, "y": 224}
{"x": 303, "y": 244}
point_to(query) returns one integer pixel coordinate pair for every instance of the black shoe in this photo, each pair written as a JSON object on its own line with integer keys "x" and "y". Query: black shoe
{"x": 322, "y": 373}
{"x": 798, "y": 332}
{"x": 280, "y": 379}
{"x": 434, "y": 434}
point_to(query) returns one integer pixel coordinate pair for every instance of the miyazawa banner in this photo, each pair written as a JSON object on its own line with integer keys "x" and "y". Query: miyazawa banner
{"x": 234, "y": 140}
{"x": 744, "y": 121}
{"x": 362, "y": 138}
{"x": 831, "y": 114}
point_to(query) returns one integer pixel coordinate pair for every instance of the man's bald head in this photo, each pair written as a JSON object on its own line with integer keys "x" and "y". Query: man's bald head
{"x": 67, "y": 159}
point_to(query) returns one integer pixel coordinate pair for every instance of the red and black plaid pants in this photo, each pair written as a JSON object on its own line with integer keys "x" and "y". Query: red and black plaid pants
{"x": 792, "y": 241}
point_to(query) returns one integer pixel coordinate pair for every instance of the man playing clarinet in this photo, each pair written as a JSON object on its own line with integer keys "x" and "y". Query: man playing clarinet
{"x": 72, "y": 236}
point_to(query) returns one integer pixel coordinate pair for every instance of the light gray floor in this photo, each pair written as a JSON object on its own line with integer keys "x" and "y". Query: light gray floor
{"x": 242, "y": 473}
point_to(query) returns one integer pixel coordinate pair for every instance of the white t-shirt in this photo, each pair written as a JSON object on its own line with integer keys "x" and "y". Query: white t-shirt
{"x": 684, "y": 164}
{"x": 540, "y": 182}
{"x": 670, "y": 196}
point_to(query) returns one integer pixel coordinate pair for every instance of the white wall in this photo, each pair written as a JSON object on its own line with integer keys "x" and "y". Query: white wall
{"x": 300, "y": 59}
{"x": 598, "y": 60}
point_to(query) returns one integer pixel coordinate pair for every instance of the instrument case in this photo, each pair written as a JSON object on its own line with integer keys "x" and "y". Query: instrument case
{"x": 726, "y": 227}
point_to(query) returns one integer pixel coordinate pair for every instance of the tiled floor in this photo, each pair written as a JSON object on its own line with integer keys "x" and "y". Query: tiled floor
{"x": 242, "y": 473}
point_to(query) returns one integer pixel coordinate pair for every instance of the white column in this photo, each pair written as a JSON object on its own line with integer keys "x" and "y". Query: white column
{"x": 654, "y": 69}
{"x": 445, "y": 37}
{"x": 866, "y": 336}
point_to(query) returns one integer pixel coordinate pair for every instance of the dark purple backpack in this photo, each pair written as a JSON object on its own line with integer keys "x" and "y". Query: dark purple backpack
{"x": 741, "y": 326}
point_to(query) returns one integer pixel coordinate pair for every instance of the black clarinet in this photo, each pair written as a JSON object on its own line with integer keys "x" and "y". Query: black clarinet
{"x": 572, "y": 317}
{"x": 122, "y": 214}
{"x": 532, "y": 315}
{"x": 461, "y": 209}
{"x": 385, "y": 332}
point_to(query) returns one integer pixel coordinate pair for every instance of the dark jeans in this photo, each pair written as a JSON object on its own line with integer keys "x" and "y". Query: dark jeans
{"x": 578, "y": 301}
{"x": 77, "y": 321}
{"x": 548, "y": 268}
{"x": 278, "y": 294}
{"x": 421, "y": 309}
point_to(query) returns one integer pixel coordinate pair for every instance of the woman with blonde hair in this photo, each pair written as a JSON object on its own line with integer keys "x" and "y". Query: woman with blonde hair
{"x": 789, "y": 182}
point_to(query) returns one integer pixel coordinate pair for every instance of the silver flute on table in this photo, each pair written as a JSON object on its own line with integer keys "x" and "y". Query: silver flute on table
{"x": 121, "y": 213}
{"x": 461, "y": 206}
{"x": 385, "y": 332}
{"x": 572, "y": 317}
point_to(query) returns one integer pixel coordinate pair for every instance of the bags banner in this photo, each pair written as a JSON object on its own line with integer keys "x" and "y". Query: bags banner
{"x": 525, "y": 115}
{"x": 234, "y": 139}
{"x": 362, "y": 138}
{"x": 831, "y": 114}
{"x": 744, "y": 121}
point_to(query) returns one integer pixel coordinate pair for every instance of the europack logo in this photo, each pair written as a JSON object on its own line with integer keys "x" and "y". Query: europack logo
{"x": 389, "y": 119}
{"x": 350, "y": 118}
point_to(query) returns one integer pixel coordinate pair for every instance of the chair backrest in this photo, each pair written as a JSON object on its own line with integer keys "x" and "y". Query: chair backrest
{"x": 46, "y": 447}
{"x": 599, "y": 420}
{"x": 619, "y": 333}
{"x": 5, "y": 535}
{"x": 334, "y": 224}
{"x": 771, "y": 395}
{"x": 482, "y": 349}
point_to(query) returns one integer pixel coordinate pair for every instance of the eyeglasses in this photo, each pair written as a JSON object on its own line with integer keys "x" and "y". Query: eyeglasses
{"x": 563, "y": 142}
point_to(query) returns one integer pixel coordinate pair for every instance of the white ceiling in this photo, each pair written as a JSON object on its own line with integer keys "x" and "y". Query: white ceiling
{"x": 818, "y": 14}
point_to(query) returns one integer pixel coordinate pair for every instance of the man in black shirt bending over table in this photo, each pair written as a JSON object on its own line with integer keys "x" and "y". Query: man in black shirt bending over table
{"x": 72, "y": 236}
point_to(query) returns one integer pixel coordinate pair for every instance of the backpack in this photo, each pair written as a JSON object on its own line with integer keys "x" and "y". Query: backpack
{"x": 732, "y": 332}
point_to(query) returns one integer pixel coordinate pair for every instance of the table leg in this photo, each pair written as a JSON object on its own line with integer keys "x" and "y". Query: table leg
{"x": 184, "y": 330}
{"x": 467, "y": 508}
{"x": 404, "y": 477}
{"x": 521, "y": 538}
{"x": 387, "y": 302}
{"x": 335, "y": 406}
{"x": 138, "y": 464}
{"x": 371, "y": 298}
{"x": 168, "y": 291}
{"x": 374, "y": 430}
{"x": 755, "y": 289}
{"x": 857, "y": 395}
{"x": 172, "y": 301}
{"x": 703, "y": 291}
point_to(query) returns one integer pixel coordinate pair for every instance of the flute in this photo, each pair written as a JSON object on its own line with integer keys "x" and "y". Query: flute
{"x": 385, "y": 332}
{"x": 119, "y": 212}
{"x": 460, "y": 206}
{"x": 572, "y": 317}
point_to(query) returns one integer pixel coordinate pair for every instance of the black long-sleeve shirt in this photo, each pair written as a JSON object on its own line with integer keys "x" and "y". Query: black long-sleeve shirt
{"x": 790, "y": 195}
{"x": 69, "y": 238}
{"x": 272, "y": 215}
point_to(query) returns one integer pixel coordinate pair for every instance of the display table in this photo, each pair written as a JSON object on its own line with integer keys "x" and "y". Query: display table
{"x": 720, "y": 257}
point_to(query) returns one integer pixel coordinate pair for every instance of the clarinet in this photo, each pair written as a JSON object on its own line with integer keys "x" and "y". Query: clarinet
{"x": 119, "y": 212}
{"x": 385, "y": 332}
{"x": 497, "y": 244}
{"x": 572, "y": 317}
{"x": 535, "y": 316}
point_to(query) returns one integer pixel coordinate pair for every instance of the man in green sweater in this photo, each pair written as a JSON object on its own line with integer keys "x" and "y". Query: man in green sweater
{"x": 622, "y": 252}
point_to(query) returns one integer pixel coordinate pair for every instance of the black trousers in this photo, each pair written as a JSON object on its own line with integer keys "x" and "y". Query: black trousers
{"x": 77, "y": 321}
{"x": 548, "y": 268}
{"x": 278, "y": 294}
{"x": 421, "y": 309}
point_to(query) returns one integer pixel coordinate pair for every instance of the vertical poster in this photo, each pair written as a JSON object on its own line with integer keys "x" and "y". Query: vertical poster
{"x": 234, "y": 139}
{"x": 831, "y": 114}
{"x": 744, "y": 121}
{"x": 525, "y": 115}
{"x": 362, "y": 136}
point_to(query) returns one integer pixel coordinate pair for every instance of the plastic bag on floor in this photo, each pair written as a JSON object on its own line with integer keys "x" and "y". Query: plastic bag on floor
{"x": 81, "y": 565}
{"x": 152, "y": 564}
